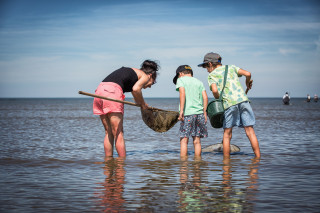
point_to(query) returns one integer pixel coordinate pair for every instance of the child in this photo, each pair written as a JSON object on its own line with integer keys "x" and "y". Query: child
{"x": 193, "y": 105}
{"x": 238, "y": 111}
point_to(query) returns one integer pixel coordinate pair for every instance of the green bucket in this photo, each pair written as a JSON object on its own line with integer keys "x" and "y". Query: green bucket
{"x": 215, "y": 111}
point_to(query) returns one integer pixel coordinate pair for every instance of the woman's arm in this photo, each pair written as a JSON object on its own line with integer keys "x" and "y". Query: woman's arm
{"x": 137, "y": 93}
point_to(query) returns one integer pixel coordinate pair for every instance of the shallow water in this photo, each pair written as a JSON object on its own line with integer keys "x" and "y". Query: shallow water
{"x": 52, "y": 159}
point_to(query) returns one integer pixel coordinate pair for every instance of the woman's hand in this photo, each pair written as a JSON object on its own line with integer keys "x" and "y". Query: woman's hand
{"x": 144, "y": 106}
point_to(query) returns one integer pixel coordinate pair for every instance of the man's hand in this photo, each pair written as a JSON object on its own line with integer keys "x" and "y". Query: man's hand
{"x": 249, "y": 85}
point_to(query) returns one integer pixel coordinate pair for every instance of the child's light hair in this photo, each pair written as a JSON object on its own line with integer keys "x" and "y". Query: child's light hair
{"x": 187, "y": 72}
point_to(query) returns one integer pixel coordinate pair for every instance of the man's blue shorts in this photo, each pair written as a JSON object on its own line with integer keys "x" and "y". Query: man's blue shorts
{"x": 240, "y": 115}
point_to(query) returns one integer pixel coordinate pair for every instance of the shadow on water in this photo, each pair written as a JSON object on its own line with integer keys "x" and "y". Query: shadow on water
{"x": 177, "y": 185}
{"x": 177, "y": 152}
{"x": 152, "y": 152}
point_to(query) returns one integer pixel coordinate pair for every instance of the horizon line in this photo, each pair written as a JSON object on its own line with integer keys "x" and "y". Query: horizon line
{"x": 132, "y": 97}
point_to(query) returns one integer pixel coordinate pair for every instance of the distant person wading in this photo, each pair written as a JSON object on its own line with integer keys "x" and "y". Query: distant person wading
{"x": 114, "y": 86}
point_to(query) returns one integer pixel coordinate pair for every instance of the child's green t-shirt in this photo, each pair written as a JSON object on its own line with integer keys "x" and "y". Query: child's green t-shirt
{"x": 233, "y": 92}
{"x": 193, "y": 89}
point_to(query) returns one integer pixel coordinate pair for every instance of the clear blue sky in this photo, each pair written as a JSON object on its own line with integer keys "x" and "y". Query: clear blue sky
{"x": 56, "y": 48}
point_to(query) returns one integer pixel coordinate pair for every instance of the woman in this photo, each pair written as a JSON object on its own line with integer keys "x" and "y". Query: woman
{"x": 114, "y": 85}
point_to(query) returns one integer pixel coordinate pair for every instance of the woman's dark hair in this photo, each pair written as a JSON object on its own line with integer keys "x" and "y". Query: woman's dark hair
{"x": 150, "y": 67}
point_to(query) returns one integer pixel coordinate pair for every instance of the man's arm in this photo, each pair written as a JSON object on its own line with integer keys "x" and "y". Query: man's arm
{"x": 214, "y": 90}
{"x": 248, "y": 77}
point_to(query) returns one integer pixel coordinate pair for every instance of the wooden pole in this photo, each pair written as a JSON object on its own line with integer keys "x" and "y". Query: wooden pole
{"x": 119, "y": 101}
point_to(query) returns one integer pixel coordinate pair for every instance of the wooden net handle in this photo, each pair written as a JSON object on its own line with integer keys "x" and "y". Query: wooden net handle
{"x": 109, "y": 99}
{"x": 119, "y": 101}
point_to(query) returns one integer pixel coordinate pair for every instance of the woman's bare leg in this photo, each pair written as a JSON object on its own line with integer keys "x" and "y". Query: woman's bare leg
{"x": 108, "y": 139}
{"x": 116, "y": 123}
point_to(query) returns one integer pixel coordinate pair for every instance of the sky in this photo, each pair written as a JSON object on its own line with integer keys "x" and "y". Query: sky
{"x": 56, "y": 48}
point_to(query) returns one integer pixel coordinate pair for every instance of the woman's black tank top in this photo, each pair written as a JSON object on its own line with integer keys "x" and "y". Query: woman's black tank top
{"x": 125, "y": 77}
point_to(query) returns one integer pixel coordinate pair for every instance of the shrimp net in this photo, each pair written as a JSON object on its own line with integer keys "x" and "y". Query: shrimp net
{"x": 159, "y": 120}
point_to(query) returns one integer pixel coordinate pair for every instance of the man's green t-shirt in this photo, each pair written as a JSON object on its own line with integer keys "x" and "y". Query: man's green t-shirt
{"x": 233, "y": 92}
{"x": 193, "y": 89}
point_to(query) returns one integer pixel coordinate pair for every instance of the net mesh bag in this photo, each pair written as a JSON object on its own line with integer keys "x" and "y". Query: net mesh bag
{"x": 159, "y": 120}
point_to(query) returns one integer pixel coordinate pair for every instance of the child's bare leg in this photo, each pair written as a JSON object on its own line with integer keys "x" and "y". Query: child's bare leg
{"x": 253, "y": 140}
{"x": 227, "y": 135}
{"x": 184, "y": 146}
{"x": 197, "y": 146}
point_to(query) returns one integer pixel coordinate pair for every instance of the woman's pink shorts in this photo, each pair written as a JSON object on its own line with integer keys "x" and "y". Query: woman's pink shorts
{"x": 110, "y": 90}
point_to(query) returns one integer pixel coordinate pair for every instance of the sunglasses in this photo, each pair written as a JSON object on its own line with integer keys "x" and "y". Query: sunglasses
{"x": 154, "y": 81}
{"x": 206, "y": 65}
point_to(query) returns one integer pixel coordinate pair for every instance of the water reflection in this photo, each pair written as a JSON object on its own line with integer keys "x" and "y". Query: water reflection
{"x": 192, "y": 196}
{"x": 235, "y": 197}
{"x": 252, "y": 188}
{"x": 226, "y": 195}
{"x": 200, "y": 186}
{"x": 111, "y": 194}
{"x": 232, "y": 197}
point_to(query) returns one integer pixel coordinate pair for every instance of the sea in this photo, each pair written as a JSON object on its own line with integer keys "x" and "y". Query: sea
{"x": 52, "y": 160}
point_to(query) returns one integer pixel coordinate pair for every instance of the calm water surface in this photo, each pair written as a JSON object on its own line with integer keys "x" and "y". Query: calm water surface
{"x": 52, "y": 160}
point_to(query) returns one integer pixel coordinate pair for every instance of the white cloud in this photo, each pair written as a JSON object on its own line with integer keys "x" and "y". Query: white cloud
{"x": 284, "y": 51}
